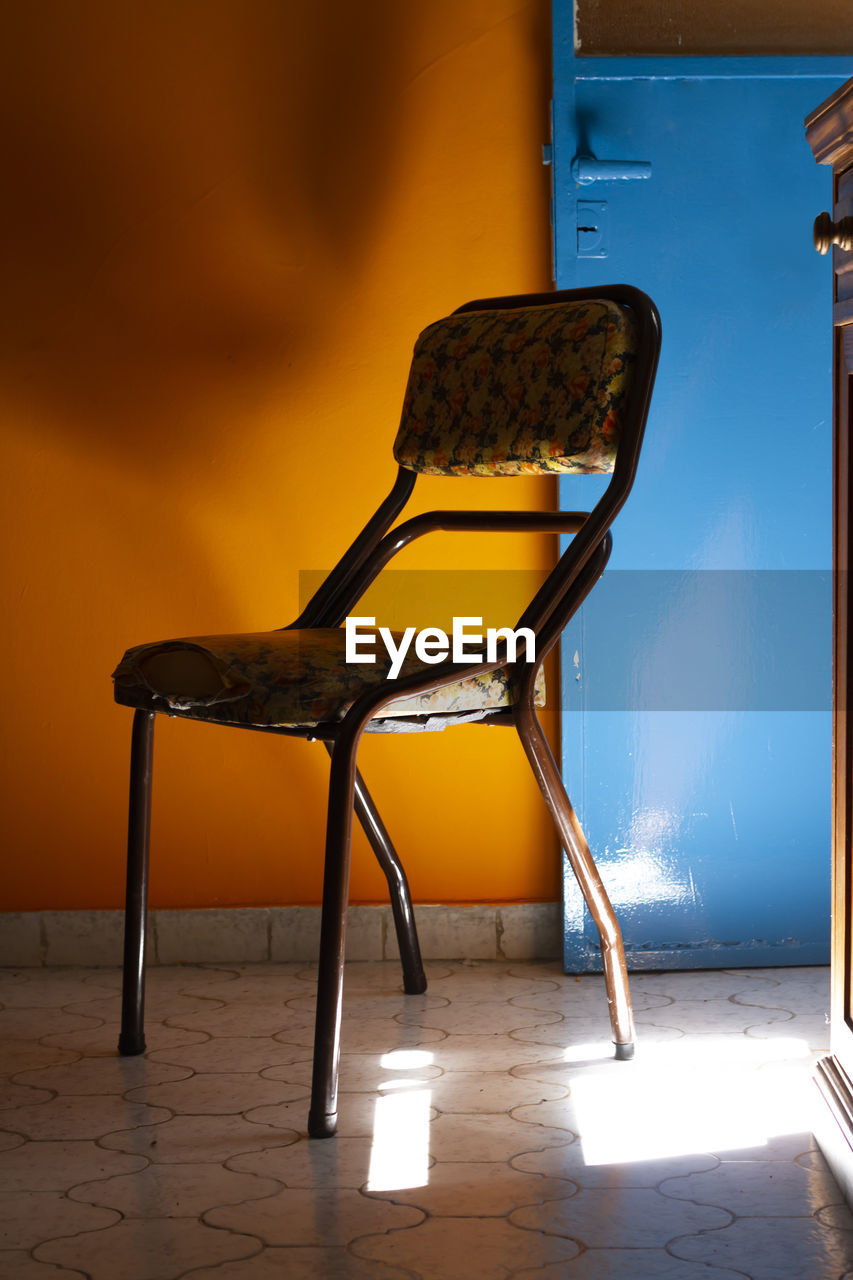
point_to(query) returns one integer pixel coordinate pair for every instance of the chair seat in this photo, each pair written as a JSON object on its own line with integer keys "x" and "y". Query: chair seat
{"x": 284, "y": 679}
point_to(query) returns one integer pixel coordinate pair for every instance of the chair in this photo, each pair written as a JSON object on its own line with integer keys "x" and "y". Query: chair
{"x": 539, "y": 383}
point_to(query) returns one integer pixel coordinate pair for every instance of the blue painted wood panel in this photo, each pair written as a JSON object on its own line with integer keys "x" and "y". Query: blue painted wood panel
{"x": 696, "y": 684}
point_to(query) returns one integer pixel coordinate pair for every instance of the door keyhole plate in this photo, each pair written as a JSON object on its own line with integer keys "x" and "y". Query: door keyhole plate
{"x": 592, "y": 228}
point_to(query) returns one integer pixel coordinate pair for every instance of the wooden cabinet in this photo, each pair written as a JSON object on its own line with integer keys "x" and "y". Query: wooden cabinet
{"x": 829, "y": 130}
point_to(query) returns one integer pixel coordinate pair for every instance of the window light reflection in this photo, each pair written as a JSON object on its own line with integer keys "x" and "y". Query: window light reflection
{"x": 399, "y": 1156}
{"x": 385, "y": 1086}
{"x": 720, "y": 1093}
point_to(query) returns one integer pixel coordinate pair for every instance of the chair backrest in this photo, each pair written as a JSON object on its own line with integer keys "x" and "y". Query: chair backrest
{"x": 519, "y": 389}
{"x": 534, "y": 383}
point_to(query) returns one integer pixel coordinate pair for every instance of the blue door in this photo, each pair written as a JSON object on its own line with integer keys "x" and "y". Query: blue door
{"x": 696, "y": 683}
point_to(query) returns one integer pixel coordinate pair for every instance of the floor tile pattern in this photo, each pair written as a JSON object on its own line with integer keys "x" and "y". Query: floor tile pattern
{"x": 486, "y": 1132}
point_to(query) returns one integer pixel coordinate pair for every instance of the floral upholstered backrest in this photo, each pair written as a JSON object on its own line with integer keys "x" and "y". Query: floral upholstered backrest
{"x": 509, "y": 392}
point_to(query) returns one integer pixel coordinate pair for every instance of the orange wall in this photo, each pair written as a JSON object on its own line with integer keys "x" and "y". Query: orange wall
{"x": 224, "y": 223}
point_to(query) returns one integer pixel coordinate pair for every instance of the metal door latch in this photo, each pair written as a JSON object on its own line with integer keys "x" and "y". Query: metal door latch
{"x": 586, "y": 170}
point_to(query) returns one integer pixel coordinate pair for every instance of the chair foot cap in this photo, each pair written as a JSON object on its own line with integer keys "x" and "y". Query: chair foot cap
{"x": 131, "y": 1045}
{"x": 625, "y": 1051}
{"x": 415, "y": 985}
{"x": 322, "y": 1125}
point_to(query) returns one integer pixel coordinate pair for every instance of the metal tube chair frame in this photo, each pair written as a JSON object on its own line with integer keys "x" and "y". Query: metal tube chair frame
{"x": 557, "y": 600}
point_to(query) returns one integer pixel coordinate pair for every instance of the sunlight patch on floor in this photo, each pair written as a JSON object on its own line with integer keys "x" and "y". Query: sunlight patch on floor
{"x": 720, "y": 1094}
{"x": 399, "y": 1156}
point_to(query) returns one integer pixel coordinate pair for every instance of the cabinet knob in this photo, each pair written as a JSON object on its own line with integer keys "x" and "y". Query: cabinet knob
{"x": 827, "y": 233}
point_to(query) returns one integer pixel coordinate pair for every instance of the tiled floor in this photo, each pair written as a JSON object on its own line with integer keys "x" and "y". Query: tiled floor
{"x": 485, "y": 1133}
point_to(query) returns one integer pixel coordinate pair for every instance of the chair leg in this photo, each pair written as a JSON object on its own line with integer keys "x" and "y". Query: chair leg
{"x": 577, "y": 850}
{"x": 132, "y": 1038}
{"x": 414, "y": 978}
{"x": 323, "y": 1115}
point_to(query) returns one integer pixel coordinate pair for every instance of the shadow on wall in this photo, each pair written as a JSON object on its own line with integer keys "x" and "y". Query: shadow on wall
{"x": 224, "y": 222}
{"x": 185, "y": 182}
{"x": 184, "y": 185}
